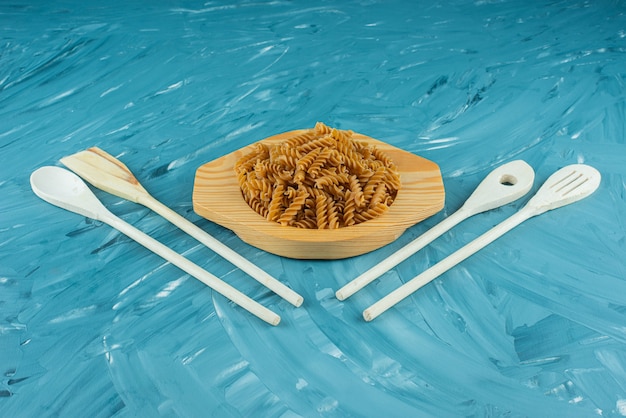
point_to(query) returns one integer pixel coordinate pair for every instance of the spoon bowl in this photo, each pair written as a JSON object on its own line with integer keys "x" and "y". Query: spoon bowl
{"x": 66, "y": 190}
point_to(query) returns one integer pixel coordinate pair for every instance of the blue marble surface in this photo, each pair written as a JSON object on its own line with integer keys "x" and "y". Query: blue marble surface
{"x": 92, "y": 324}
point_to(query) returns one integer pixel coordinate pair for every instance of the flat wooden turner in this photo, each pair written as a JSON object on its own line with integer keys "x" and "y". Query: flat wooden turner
{"x": 107, "y": 173}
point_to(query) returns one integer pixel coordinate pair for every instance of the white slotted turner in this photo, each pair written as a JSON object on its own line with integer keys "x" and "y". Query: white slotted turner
{"x": 503, "y": 185}
{"x": 567, "y": 185}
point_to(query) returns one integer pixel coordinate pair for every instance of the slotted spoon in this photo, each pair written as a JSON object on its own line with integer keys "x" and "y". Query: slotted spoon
{"x": 503, "y": 185}
{"x": 567, "y": 185}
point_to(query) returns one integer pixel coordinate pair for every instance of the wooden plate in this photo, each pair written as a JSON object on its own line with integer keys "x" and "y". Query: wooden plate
{"x": 217, "y": 197}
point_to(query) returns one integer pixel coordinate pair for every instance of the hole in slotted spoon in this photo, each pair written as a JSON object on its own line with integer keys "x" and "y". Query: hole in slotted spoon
{"x": 508, "y": 180}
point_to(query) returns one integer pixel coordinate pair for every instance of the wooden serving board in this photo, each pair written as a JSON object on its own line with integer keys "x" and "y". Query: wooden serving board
{"x": 217, "y": 197}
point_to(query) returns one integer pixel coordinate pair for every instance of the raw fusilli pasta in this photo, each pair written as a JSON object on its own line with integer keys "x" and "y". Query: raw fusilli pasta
{"x": 321, "y": 178}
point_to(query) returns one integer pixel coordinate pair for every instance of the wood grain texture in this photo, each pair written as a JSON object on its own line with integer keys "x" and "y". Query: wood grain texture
{"x": 217, "y": 197}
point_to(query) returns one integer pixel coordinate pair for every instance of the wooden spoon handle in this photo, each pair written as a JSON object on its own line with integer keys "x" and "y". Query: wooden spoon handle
{"x": 194, "y": 270}
{"x": 444, "y": 265}
{"x": 224, "y": 251}
{"x": 399, "y": 256}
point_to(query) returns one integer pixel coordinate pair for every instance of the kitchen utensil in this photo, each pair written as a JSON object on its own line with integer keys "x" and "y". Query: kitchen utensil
{"x": 567, "y": 185}
{"x": 503, "y": 185}
{"x": 63, "y": 188}
{"x": 106, "y": 172}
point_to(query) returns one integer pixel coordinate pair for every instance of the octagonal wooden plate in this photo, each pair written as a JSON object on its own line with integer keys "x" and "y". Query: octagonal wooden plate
{"x": 217, "y": 197}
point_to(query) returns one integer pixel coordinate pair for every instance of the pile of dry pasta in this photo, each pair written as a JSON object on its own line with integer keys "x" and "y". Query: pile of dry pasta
{"x": 319, "y": 179}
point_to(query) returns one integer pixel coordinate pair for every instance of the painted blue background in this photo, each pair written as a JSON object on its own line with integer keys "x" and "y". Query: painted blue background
{"x": 92, "y": 324}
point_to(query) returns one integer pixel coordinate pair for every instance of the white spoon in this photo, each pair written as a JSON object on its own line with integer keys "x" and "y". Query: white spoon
{"x": 503, "y": 185}
{"x": 567, "y": 185}
{"x": 65, "y": 189}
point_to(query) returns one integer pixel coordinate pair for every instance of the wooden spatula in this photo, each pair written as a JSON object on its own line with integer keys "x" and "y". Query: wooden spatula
{"x": 107, "y": 173}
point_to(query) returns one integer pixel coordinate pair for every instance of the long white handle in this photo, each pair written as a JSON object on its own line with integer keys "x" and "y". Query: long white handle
{"x": 402, "y": 254}
{"x": 226, "y": 252}
{"x": 446, "y": 264}
{"x": 194, "y": 270}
